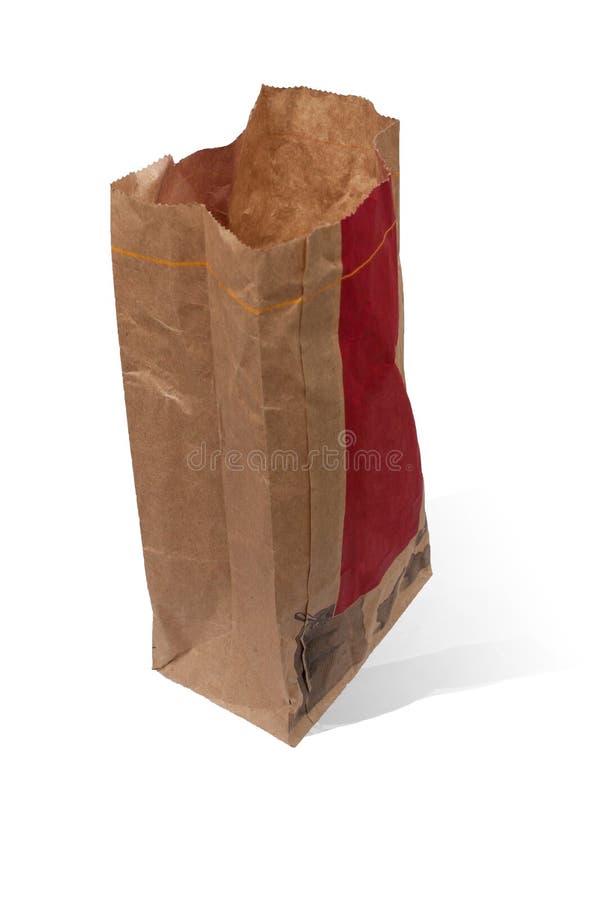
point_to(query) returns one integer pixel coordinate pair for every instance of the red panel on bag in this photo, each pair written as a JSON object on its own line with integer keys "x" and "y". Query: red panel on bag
{"x": 384, "y": 485}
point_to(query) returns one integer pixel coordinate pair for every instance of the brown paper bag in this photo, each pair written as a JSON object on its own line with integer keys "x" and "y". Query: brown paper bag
{"x": 275, "y": 456}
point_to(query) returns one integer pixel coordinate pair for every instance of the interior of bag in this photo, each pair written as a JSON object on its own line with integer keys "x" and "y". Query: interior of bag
{"x": 305, "y": 159}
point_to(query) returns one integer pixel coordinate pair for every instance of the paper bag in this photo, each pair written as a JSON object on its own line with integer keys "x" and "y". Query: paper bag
{"x": 276, "y": 462}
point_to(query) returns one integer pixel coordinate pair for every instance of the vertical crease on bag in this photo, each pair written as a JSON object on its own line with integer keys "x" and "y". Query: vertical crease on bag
{"x": 305, "y": 673}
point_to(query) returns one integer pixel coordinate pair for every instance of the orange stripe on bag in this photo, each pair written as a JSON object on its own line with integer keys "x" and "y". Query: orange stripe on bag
{"x": 158, "y": 261}
{"x": 252, "y": 309}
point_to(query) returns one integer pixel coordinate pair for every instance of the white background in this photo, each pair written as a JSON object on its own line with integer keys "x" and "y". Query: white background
{"x": 120, "y": 784}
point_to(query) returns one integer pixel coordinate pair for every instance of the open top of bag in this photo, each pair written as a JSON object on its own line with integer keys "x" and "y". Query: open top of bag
{"x": 306, "y": 159}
